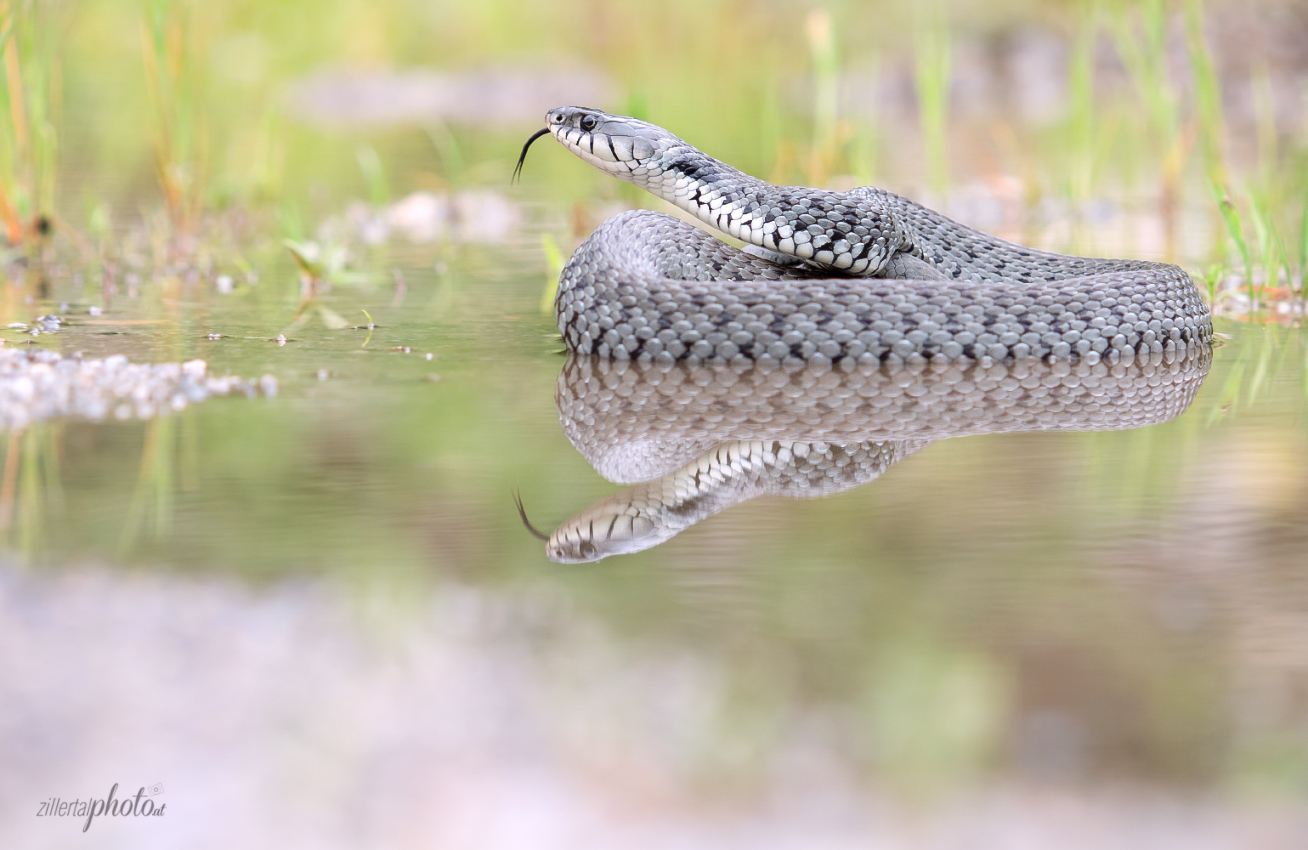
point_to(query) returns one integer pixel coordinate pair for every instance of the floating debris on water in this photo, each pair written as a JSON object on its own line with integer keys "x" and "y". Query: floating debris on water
{"x": 95, "y": 311}
{"x": 224, "y": 283}
{"x": 48, "y": 324}
{"x": 36, "y": 384}
{"x": 217, "y": 336}
{"x": 281, "y": 339}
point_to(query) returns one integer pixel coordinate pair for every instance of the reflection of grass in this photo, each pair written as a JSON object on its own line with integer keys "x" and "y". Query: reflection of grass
{"x": 913, "y": 612}
{"x": 150, "y": 511}
{"x": 1248, "y": 376}
{"x": 32, "y": 486}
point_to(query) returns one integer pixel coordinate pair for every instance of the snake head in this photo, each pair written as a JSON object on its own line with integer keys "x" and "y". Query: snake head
{"x": 612, "y": 143}
{"x": 612, "y": 526}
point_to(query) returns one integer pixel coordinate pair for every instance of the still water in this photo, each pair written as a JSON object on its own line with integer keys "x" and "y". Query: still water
{"x": 907, "y": 605}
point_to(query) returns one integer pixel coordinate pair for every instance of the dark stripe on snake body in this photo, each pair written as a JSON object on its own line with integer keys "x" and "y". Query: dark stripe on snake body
{"x": 696, "y": 440}
{"x": 928, "y": 286}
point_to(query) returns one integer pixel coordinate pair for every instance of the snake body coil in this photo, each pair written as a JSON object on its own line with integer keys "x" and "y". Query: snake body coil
{"x": 856, "y": 277}
{"x": 696, "y": 440}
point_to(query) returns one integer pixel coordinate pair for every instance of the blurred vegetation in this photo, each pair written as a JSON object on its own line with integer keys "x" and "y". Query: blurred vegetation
{"x": 1068, "y": 605}
{"x": 1000, "y": 600}
{"x": 185, "y": 104}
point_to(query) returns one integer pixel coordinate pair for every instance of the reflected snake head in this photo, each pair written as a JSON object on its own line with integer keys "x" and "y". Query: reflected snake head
{"x": 612, "y": 526}
{"x": 609, "y": 527}
{"x": 612, "y": 143}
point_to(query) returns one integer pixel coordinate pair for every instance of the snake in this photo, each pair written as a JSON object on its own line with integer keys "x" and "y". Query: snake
{"x": 849, "y": 331}
{"x": 858, "y": 277}
{"x": 697, "y": 439}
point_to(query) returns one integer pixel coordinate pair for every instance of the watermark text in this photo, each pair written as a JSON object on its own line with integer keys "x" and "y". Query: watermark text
{"x": 142, "y": 804}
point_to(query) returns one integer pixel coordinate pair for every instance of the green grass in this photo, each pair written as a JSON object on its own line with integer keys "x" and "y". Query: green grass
{"x": 1082, "y": 121}
{"x": 1207, "y": 95}
{"x": 1236, "y": 230}
{"x": 171, "y": 37}
{"x": 185, "y": 106}
{"x": 154, "y": 120}
{"x": 826, "y": 94}
{"x": 29, "y": 102}
{"x": 932, "y": 76}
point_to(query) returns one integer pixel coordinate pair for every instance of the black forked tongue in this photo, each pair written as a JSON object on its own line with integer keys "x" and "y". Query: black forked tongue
{"x": 517, "y": 497}
{"x": 517, "y": 172}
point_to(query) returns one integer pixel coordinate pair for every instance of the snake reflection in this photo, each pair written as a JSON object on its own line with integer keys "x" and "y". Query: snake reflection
{"x": 696, "y": 440}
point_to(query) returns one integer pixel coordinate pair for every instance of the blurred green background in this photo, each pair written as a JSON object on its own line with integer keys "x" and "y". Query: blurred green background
{"x": 1060, "y": 610}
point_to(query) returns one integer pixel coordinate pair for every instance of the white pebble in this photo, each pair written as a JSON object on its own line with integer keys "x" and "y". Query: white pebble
{"x": 36, "y": 384}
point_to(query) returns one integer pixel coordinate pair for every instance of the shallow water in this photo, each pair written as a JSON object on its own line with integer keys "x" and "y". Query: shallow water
{"x": 998, "y": 619}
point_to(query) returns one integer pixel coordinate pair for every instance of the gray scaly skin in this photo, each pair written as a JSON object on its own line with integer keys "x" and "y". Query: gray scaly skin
{"x": 700, "y": 439}
{"x": 863, "y": 276}
{"x": 730, "y": 473}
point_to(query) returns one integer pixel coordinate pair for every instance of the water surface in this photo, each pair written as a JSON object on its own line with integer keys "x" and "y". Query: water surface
{"x": 1059, "y": 589}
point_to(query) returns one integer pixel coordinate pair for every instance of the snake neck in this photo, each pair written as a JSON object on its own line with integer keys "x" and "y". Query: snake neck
{"x": 832, "y": 231}
{"x": 732, "y": 472}
{"x": 712, "y": 191}
{"x": 863, "y": 232}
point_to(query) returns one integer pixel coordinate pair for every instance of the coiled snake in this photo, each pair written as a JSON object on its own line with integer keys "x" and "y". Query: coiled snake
{"x": 862, "y": 276}
{"x": 696, "y": 440}
{"x": 853, "y": 330}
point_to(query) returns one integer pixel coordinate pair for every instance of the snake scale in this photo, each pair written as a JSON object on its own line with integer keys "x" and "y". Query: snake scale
{"x": 697, "y": 439}
{"x": 859, "y": 277}
{"x": 853, "y": 330}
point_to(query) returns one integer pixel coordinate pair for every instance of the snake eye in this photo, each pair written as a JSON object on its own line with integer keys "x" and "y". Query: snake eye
{"x": 588, "y": 122}
{"x": 587, "y": 548}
